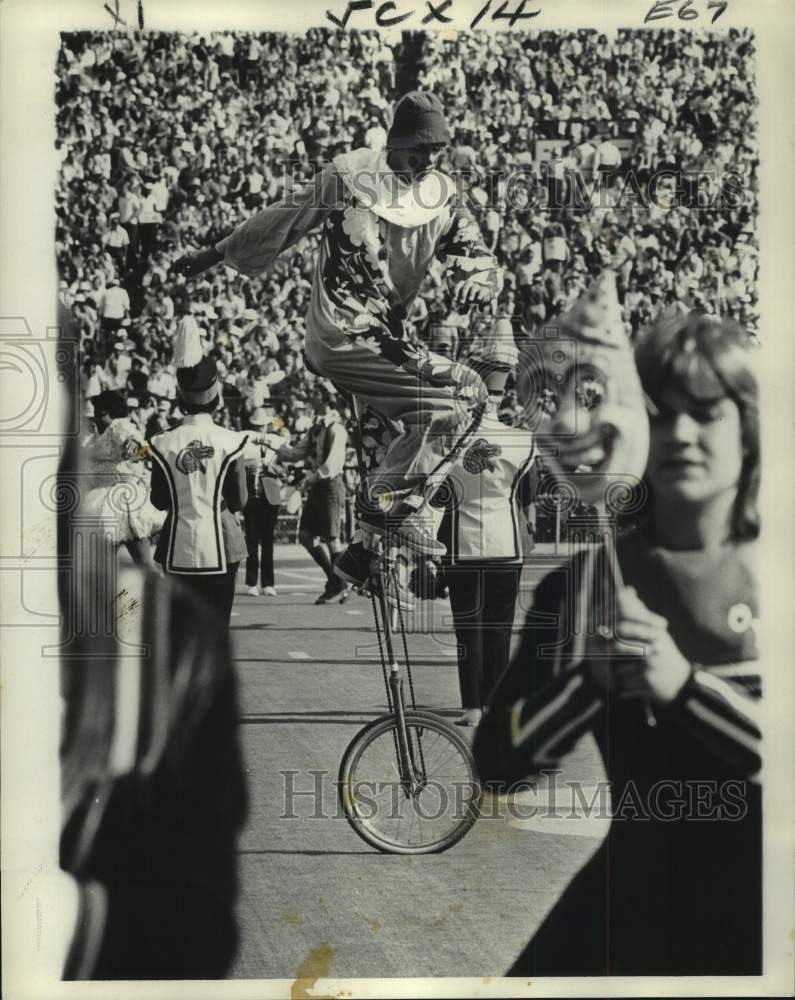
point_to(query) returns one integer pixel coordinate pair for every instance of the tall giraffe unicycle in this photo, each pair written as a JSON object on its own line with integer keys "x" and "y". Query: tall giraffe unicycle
{"x": 407, "y": 781}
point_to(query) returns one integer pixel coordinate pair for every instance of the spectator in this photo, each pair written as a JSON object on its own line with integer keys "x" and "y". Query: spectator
{"x": 114, "y": 308}
{"x": 117, "y": 242}
{"x": 206, "y": 122}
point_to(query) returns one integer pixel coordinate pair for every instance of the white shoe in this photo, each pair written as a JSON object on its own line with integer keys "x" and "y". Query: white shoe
{"x": 471, "y": 717}
{"x": 268, "y": 591}
{"x": 253, "y": 591}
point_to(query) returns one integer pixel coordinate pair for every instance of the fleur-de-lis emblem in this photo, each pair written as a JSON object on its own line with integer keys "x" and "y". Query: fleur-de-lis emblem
{"x": 192, "y": 456}
{"x": 479, "y": 457}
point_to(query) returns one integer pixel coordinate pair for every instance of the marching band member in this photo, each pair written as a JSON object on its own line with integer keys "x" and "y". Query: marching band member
{"x": 323, "y": 449}
{"x": 488, "y": 491}
{"x": 116, "y": 481}
{"x": 262, "y": 508}
{"x": 199, "y": 477}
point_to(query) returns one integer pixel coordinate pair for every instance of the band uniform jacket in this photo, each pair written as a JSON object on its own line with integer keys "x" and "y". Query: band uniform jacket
{"x": 485, "y": 492}
{"x": 261, "y": 480}
{"x": 191, "y": 477}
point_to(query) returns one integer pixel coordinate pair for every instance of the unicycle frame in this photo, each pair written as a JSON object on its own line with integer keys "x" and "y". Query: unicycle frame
{"x": 416, "y": 734}
{"x": 407, "y": 767}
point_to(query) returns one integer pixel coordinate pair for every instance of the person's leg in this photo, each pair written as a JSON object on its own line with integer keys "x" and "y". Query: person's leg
{"x": 148, "y": 241}
{"x": 500, "y": 589}
{"x": 313, "y": 527}
{"x": 140, "y": 550}
{"x": 318, "y": 550}
{"x": 432, "y": 417}
{"x": 334, "y": 504}
{"x": 227, "y": 592}
{"x": 215, "y": 590}
{"x": 204, "y": 588}
{"x": 250, "y": 528}
{"x": 466, "y": 605}
{"x": 270, "y": 515}
{"x": 132, "y": 246}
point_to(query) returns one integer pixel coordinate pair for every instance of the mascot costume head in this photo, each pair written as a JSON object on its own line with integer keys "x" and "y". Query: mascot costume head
{"x": 581, "y": 391}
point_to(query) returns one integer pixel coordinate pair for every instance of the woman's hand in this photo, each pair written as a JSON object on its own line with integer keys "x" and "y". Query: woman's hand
{"x": 656, "y": 669}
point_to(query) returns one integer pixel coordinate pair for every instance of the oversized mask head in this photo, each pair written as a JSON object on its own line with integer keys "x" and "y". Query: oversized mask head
{"x": 582, "y": 394}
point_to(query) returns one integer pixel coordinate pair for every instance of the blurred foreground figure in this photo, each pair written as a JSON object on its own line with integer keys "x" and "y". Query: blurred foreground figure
{"x": 152, "y": 787}
{"x": 653, "y": 651}
{"x": 153, "y": 794}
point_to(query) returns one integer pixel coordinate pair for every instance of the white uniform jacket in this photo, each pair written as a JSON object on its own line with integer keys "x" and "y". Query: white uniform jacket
{"x": 486, "y": 503}
{"x": 195, "y": 458}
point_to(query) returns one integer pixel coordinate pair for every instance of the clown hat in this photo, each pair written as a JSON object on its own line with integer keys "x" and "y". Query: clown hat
{"x": 418, "y": 119}
{"x": 595, "y": 317}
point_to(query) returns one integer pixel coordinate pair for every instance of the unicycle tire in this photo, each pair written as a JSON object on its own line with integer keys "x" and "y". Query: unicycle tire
{"x": 378, "y": 806}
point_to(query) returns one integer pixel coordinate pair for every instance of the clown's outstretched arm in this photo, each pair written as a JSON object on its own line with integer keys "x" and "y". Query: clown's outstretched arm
{"x": 256, "y": 243}
{"x": 472, "y": 273}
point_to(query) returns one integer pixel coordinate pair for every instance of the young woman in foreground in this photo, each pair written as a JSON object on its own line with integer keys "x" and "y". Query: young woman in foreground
{"x": 668, "y": 683}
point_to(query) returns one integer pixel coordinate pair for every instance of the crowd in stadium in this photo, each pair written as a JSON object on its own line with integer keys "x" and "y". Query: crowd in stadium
{"x": 169, "y": 141}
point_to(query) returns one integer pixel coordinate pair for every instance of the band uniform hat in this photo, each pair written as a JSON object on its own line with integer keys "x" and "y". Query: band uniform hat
{"x": 111, "y": 402}
{"x": 418, "y": 120}
{"x": 197, "y": 373}
{"x": 493, "y": 348}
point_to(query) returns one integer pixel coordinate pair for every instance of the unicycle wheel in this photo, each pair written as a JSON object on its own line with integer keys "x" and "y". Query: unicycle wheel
{"x": 428, "y": 818}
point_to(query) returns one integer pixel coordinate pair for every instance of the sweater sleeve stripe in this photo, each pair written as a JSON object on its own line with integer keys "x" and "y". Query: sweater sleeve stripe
{"x": 556, "y": 706}
{"x": 743, "y": 677}
{"x": 560, "y": 721}
{"x": 552, "y": 750}
{"x": 713, "y": 724}
{"x": 721, "y": 697}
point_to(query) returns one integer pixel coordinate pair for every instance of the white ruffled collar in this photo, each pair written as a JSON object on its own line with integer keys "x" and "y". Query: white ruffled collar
{"x": 368, "y": 176}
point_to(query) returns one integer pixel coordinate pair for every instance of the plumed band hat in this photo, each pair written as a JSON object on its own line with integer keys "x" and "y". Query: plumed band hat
{"x": 197, "y": 373}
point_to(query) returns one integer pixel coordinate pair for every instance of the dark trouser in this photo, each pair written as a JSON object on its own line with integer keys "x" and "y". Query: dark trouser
{"x": 483, "y": 600}
{"x": 119, "y": 255}
{"x": 216, "y": 590}
{"x": 109, "y": 328}
{"x": 132, "y": 249}
{"x": 148, "y": 241}
{"x": 260, "y": 525}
